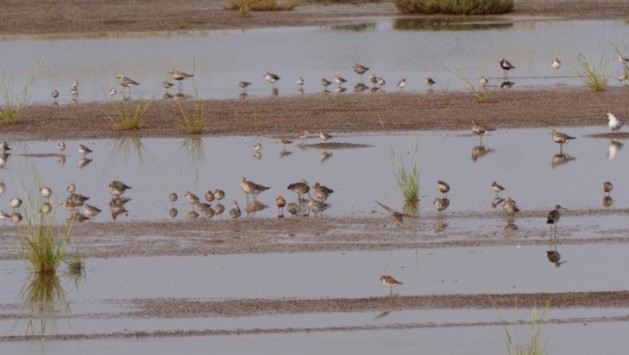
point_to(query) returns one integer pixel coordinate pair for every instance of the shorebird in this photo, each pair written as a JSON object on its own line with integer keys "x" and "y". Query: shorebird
{"x": 398, "y": 216}
{"x": 5, "y": 146}
{"x": 243, "y": 85}
{"x": 71, "y": 188}
{"x": 45, "y": 208}
{"x": 300, "y": 81}
{"x": 506, "y": 66}
{"x": 74, "y": 94}
{"x": 556, "y": 63}
{"x": 118, "y": 201}
{"x": 191, "y": 198}
{"x": 401, "y": 84}
{"x": 167, "y": 84}
{"x": 209, "y": 196}
{"x": 280, "y": 202}
{"x": 373, "y": 79}
{"x": 560, "y": 138}
{"x": 15, "y": 203}
{"x": 481, "y": 129}
{"x": 507, "y": 84}
{"x": 441, "y": 204}
{"x": 77, "y": 199}
{"x": 61, "y": 146}
{"x": 317, "y": 206}
{"x": 443, "y": 187}
{"x": 91, "y": 211}
{"x": 497, "y": 187}
{"x": 339, "y": 80}
{"x": 251, "y": 188}
{"x": 623, "y": 76}
{"x": 623, "y": 60}
{"x": 614, "y": 123}
{"x": 300, "y": 188}
{"x": 126, "y": 82}
{"x": 173, "y": 197}
{"x": 325, "y": 83}
{"x": 325, "y": 136}
{"x": 509, "y": 207}
{"x": 117, "y": 211}
{"x": 380, "y": 81}
{"x": 285, "y": 142}
{"x": 483, "y": 81}
{"x": 84, "y": 150}
{"x": 554, "y": 257}
{"x": 46, "y": 192}
{"x": 607, "y": 188}
{"x": 117, "y": 188}
{"x": 55, "y": 94}
{"x": 234, "y": 212}
{"x": 180, "y": 76}
{"x": 271, "y": 78}
{"x": 388, "y": 280}
{"x": 321, "y": 192}
{"x": 257, "y": 147}
{"x": 219, "y": 209}
{"x": 16, "y": 217}
{"x": 304, "y": 135}
{"x": 360, "y": 70}
{"x": 293, "y": 208}
{"x": 429, "y": 82}
{"x": 360, "y": 87}
{"x": 219, "y": 194}
{"x": 554, "y": 216}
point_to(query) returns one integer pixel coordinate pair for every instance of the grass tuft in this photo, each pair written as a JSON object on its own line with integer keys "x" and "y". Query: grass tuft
{"x": 244, "y": 6}
{"x": 481, "y": 96}
{"x": 455, "y": 7}
{"x": 15, "y": 104}
{"x": 527, "y": 343}
{"x": 193, "y": 120}
{"x": 127, "y": 116}
{"x": 407, "y": 178}
{"x": 592, "y": 75}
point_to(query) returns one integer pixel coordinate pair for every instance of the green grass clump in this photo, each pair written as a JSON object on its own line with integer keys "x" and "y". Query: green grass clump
{"x": 481, "y": 96}
{"x": 455, "y": 7}
{"x": 593, "y": 76}
{"x": 192, "y": 120}
{"x": 15, "y": 104}
{"x": 244, "y": 6}
{"x": 127, "y": 116}
{"x": 527, "y": 343}
{"x": 183, "y": 24}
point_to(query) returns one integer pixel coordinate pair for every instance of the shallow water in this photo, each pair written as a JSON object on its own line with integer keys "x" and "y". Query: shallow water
{"x": 393, "y": 49}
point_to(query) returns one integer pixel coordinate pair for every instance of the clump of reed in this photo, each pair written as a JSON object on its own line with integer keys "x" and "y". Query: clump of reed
{"x": 592, "y": 75}
{"x": 244, "y": 6}
{"x": 455, "y": 7}
{"x": 481, "y": 96}
{"x": 14, "y": 104}
{"x": 192, "y": 118}
{"x": 527, "y": 343}
{"x": 406, "y": 174}
{"x": 126, "y": 115}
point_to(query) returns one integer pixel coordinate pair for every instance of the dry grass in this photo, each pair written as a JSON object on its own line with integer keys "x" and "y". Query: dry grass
{"x": 457, "y": 7}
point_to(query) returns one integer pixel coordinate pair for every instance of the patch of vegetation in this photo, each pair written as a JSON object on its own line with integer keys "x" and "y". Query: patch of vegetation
{"x": 527, "y": 343}
{"x": 183, "y": 24}
{"x": 481, "y": 96}
{"x": 15, "y": 104}
{"x": 407, "y": 177}
{"x": 192, "y": 120}
{"x": 244, "y": 6}
{"x": 455, "y": 7}
{"x": 593, "y": 76}
{"x": 127, "y": 116}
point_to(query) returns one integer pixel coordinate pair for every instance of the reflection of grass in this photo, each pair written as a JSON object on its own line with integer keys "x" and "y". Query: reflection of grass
{"x": 14, "y": 105}
{"x": 45, "y": 299}
{"x": 127, "y": 117}
{"x": 407, "y": 179}
{"x": 194, "y": 149}
{"x": 126, "y": 146}
{"x": 481, "y": 96}
{"x": 527, "y": 343}
{"x": 592, "y": 75}
{"x": 458, "y": 7}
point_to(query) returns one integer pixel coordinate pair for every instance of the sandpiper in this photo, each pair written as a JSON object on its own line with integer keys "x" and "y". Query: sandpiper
{"x": 443, "y": 187}
{"x": 219, "y": 209}
{"x": 91, "y": 211}
{"x": 497, "y": 187}
{"x": 46, "y": 192}
{"x": 381, "y": 82}
{"x": 293, "y": 208}
{"x": 285, "y": 142}
{"x": 179, "y": 76}
{"x": 481, "y": 129}
{"x": 321, "y": 192}
{"x": 325, "y": 136}
{"x": 560, "y": 138}
{"x": 401, "y": 84}
{"x": 360, "y": 69}
{"x": 317, "y": 206}
{"x": 483, "y": 81}
{"x": 71, "y": 188}
{"x": 554, "y": 216}
{"x": 509, "y": 207}
{"x": 234, "y": 212}
{"x": 5, "y": 146}
{"x": 251, "y": 188}
{"x": 117, "y": 188}
{"x": 614, "y": 123}
{"x": 429, "y": 81}
{"x": 243, "y": 85}
{"x": 339, "y": 80}
{"x": 173, "y": 197}
{"x": 126, "y": 82}
{"x": 300, "y": 81}
{"x": 304, "y": 135}
{"x": 556, "y": 63}
{"x": 398, "y": 216}
{"x": 256, "y": 147}
{"x": 167, "y": 84}
{"x": 325, "y": 82}
{"x": 280, "y": 202}
{"x": 388, "y": 280}
{"x": 300, "y": 188}
{"x": 271, "y": 78}
{"x": 77, "y": 199}
{"x": 506, "y": 66}
{"x": 209, "y": 196}
{"x": 607, "y": 188}
{"x": 373, "y": 79}
{"x": 45, "y": 208}
{"x": 55, "y": 94}
{"x": 219, "y": 194}
{"x": 441, "y": 204}
{"x": 15, "y": 202}
{"x": 191, "y": 198}
{"x": 84, "y": 150}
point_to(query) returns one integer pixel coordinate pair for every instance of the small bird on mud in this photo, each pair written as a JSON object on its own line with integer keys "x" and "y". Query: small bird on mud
{"x": 614, "y": 123}
{"x": 390, "y": 281}
{"x": 497, "y": 187}
{"x": 398, "y": 216}
{"x": 443, "y": 187}
{"x": 556, "y": 63}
